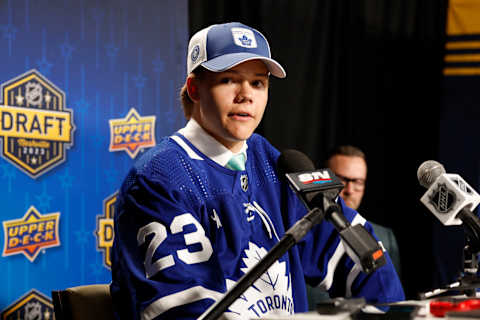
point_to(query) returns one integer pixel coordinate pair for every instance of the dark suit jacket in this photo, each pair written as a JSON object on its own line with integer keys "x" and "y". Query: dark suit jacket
{"x": 386, "y": 236}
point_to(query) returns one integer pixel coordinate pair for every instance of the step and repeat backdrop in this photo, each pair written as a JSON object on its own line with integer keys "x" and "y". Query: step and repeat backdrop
{"x": 86, "y": 87}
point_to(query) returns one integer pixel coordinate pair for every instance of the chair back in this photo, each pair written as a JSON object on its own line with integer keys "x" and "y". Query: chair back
{"x": 83, "y": 302}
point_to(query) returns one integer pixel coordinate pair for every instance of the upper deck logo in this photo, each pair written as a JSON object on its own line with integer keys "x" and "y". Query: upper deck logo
{"x": 31, "y": 306}
{"x": 31, "y": 233}
{"x": 35, "y": 125}
{"x": 104, "y": 231}
{"x": 132, "y": 133}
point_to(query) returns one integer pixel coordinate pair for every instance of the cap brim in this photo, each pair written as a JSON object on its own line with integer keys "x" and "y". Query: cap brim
{"x": 229, "y": 61}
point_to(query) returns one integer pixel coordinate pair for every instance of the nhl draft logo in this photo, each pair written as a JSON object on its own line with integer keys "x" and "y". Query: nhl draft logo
{"x": 442, "y": 198}
{"x": 30, "y": 234}
{"x": 104, "y": 231}
{"x": 132, "y": 133}
{"x": 35, "y": 126}
{"x": 31, "y": 306}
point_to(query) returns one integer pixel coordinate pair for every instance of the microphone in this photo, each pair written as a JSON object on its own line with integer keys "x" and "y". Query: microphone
{"x": 291, "y": 237}
{"x": 356, "y": 237}
{"x": 450, "y": 199}
{"x": 318, "y": 188}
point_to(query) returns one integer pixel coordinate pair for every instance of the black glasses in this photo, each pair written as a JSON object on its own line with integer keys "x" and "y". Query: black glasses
{"x": 358, "y": 184}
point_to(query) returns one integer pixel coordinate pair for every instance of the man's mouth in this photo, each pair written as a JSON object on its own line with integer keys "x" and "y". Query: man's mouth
{"x": 239, "y": 114}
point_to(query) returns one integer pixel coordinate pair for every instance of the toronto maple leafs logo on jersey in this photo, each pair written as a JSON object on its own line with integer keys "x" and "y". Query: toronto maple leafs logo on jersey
{"x": 270, "y": 294}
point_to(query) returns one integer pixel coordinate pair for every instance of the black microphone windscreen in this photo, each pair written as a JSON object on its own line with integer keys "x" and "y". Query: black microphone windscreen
{"x": 291, "y": 160}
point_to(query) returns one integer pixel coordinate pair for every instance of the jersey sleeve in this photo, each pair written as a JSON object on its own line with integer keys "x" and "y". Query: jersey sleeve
{"x": 327, "y": 266}
{"x": 163, "y": 265}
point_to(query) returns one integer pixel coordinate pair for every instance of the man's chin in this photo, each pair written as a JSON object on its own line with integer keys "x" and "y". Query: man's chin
{"x": 351, "y": 204}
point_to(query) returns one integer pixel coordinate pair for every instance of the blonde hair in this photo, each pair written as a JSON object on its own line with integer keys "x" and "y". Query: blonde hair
{"x": 187, "y": 102}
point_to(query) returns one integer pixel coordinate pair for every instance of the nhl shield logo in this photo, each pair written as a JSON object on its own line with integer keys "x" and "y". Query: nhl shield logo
{"x": 35, "y": 126}
{"x": 442, "y": 198}
{"x": 31, "y": 306}
{"x": 244, "y": 182}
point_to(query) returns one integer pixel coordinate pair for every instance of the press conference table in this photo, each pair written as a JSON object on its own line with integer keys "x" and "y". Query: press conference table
{"x": 420, "y": 311}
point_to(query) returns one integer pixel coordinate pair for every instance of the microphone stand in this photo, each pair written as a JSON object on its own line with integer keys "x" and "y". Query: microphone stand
{"x": 292, "y": 236}
{"x": 467, "y": 281}
{"x": 468, "y": 278}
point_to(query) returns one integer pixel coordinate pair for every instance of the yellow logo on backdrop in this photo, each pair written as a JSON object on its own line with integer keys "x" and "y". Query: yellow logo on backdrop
{"x": 31, "y": 233}
{"x": 104, "y": 231}
{"x": 35, "y": 126}
{"x": 32, "y": 305}
{"x": 132, "y": 133}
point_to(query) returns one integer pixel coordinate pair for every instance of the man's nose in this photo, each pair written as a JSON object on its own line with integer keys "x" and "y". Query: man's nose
{"x": 245, "y": 92}
{"x": 348, "y": 187}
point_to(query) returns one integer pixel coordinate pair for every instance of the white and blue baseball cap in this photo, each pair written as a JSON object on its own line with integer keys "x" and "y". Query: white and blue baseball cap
{"x": 220, "y": 47}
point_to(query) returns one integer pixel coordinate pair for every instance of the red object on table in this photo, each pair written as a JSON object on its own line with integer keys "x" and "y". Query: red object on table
{"x": 439, "y": 308}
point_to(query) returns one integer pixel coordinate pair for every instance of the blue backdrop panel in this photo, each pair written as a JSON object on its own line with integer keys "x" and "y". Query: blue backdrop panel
{"x": 106, "y": 57}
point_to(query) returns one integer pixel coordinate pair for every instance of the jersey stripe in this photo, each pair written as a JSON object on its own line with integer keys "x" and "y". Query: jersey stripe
{"x": 192, "y": 154}
{"x": 337, "y": 255}
{"x": 352, "y": 275}
{"x": 331, "y": 266}
{"x": 190, "y": 295}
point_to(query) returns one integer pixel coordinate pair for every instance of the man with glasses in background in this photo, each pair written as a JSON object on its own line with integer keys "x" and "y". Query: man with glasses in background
{"x": 349, "y": 164}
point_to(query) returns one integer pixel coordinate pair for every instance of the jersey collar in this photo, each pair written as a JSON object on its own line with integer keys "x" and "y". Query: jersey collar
{"x": 207, "y": 144}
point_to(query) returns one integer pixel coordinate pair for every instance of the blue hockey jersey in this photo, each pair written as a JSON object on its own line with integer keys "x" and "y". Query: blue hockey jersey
{"x": 187, "y": 229}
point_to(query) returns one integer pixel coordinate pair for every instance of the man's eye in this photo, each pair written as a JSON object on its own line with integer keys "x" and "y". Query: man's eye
{"x": 258, "y": 84}
{"x": 226, "y": 80}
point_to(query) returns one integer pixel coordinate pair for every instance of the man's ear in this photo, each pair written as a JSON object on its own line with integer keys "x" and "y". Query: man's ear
{"x": 192, "y": 88}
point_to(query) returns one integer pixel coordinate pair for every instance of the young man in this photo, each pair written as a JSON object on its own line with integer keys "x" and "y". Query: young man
{"x": 190, "y": 221}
